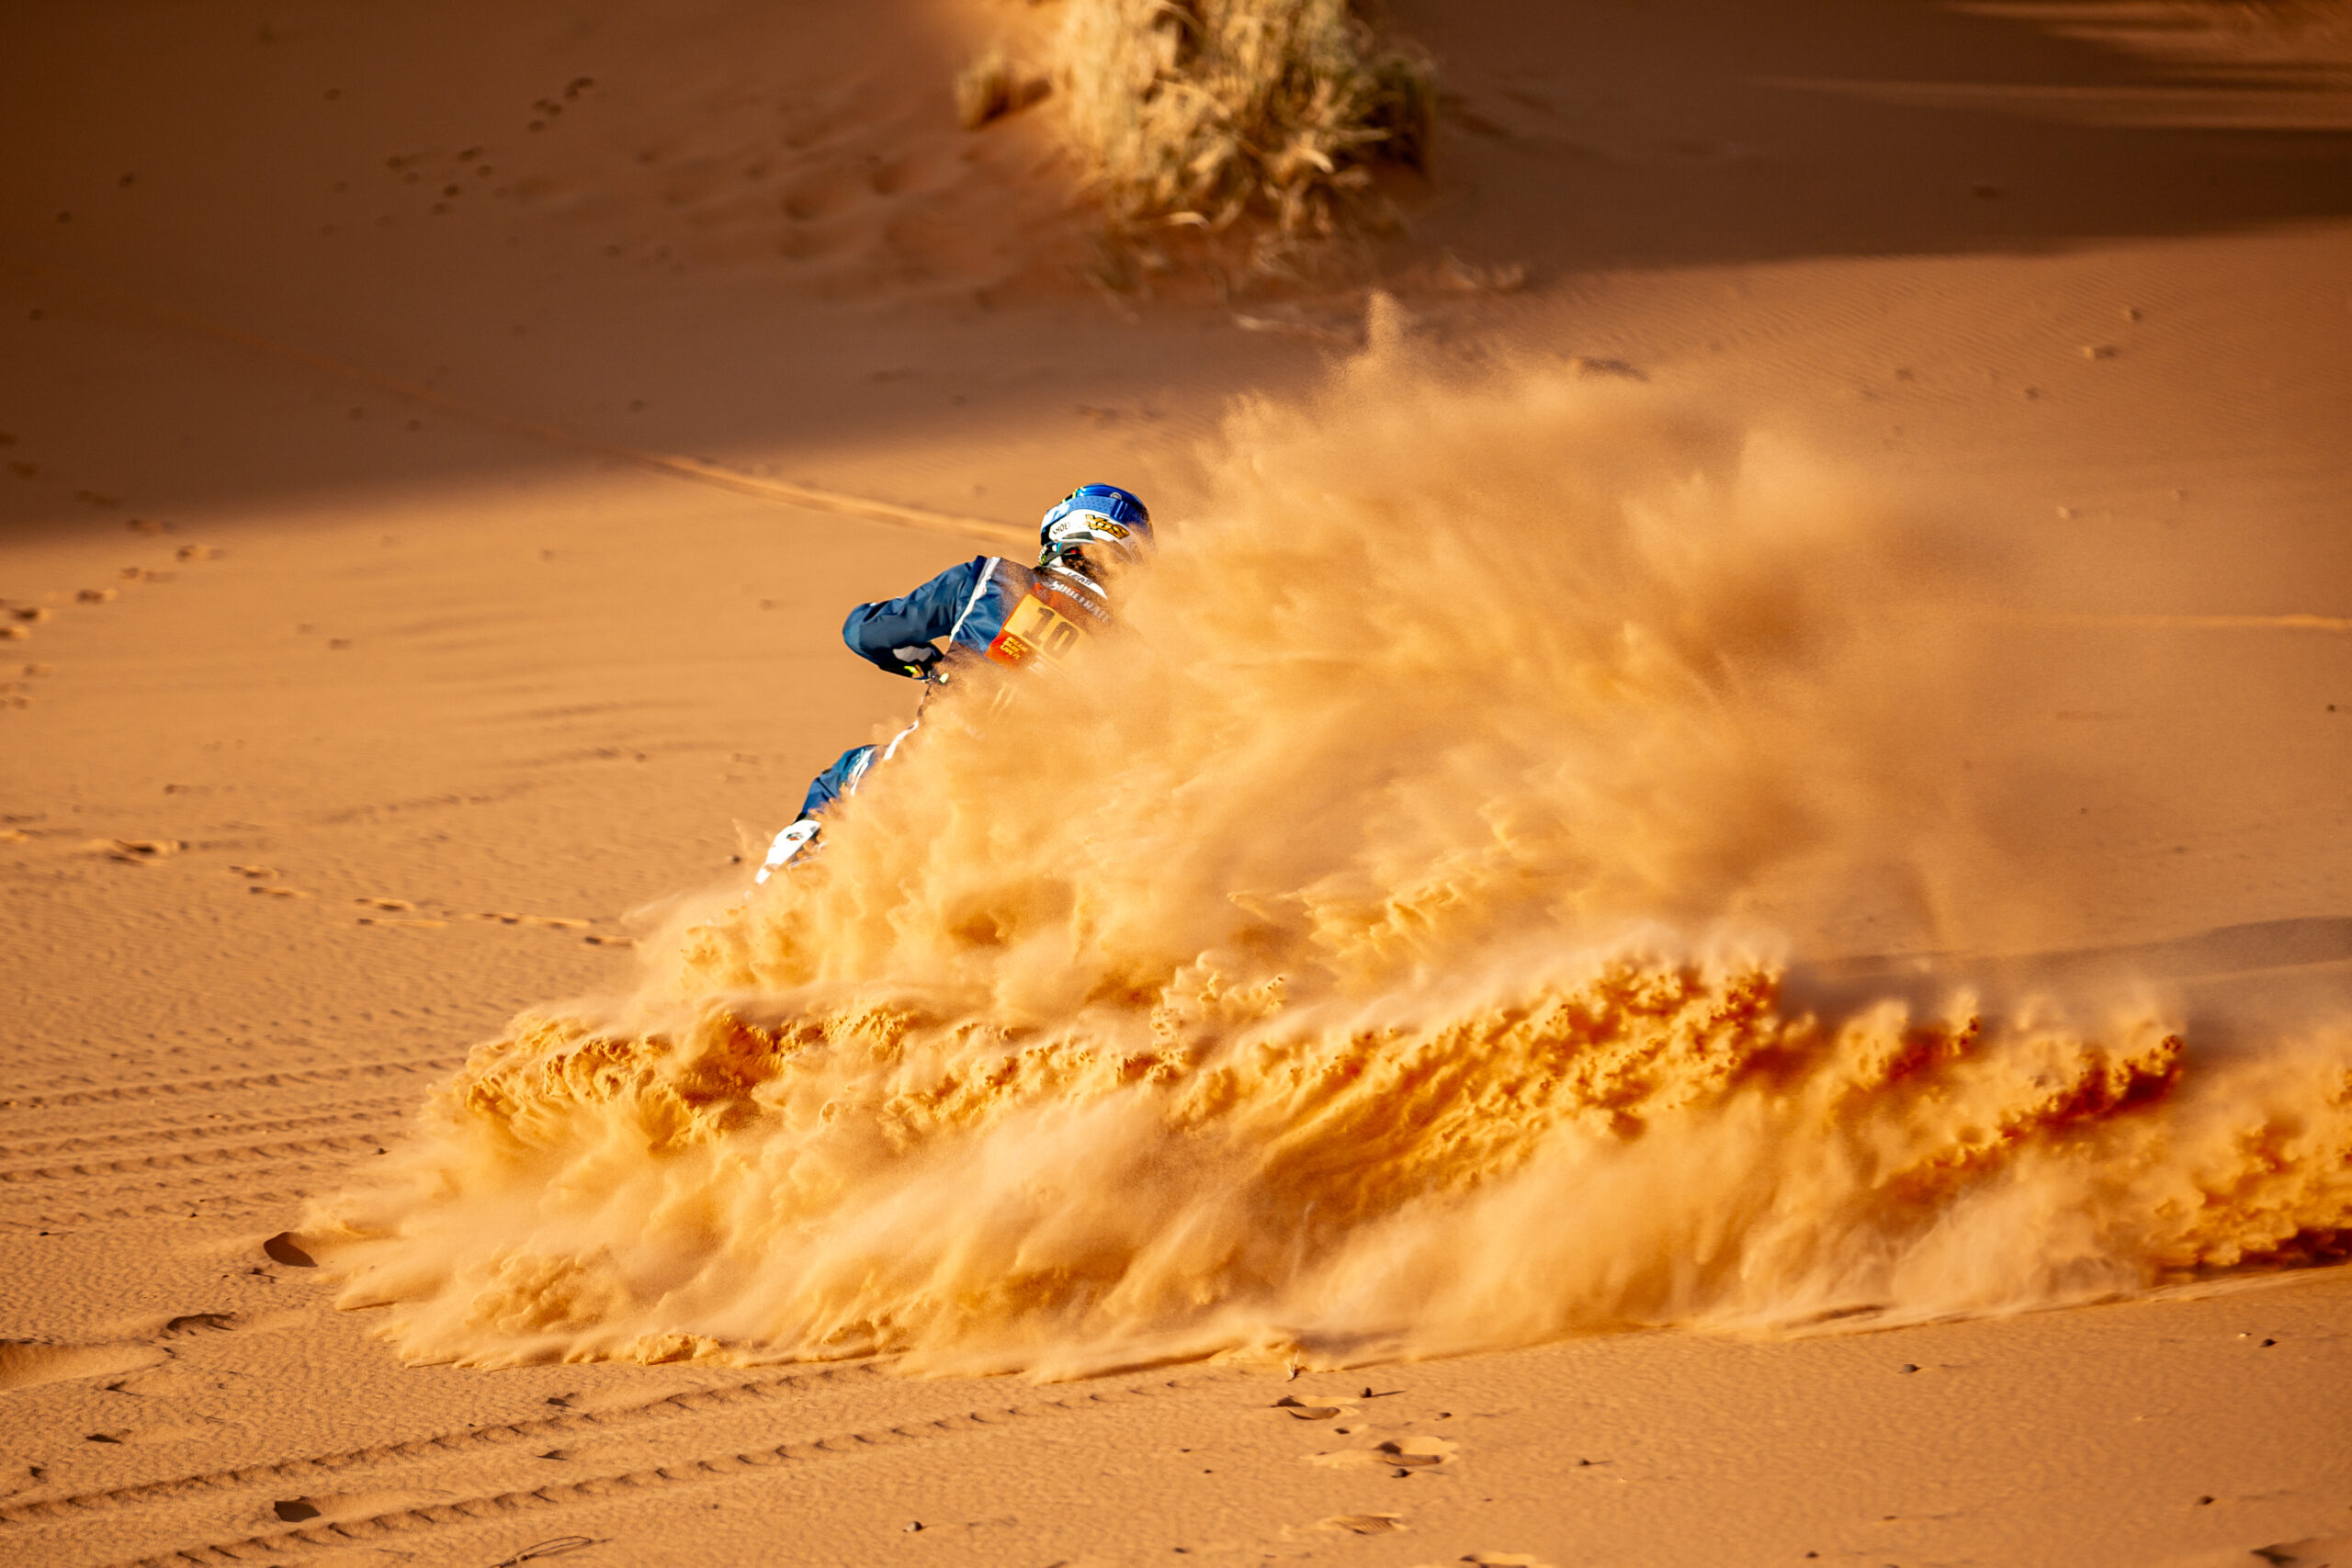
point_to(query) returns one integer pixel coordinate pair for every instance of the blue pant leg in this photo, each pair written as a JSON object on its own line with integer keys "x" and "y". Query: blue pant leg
{"x": 837, "y": 781}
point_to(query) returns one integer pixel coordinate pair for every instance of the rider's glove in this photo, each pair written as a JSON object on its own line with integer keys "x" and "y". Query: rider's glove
{"x": 917, "y": 659}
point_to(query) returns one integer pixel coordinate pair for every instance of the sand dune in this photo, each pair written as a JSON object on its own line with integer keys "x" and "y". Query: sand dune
{"x": 1840, "y": 519}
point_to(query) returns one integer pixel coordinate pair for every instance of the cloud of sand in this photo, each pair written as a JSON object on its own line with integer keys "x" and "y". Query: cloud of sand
{"x": 1372, "y": 953}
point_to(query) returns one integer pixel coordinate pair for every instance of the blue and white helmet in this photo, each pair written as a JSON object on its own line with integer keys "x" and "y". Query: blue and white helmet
{"x": 1101, "y": 516}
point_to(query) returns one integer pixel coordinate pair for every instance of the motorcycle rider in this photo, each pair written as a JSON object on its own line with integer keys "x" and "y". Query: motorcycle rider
{"x": 988, "y": 609}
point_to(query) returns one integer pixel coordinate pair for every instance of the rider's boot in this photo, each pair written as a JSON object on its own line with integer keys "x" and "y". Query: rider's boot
{"x": 789, "y": 844}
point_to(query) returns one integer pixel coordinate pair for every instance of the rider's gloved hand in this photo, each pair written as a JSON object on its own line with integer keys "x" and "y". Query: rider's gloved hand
{"x": 917, "y": 659}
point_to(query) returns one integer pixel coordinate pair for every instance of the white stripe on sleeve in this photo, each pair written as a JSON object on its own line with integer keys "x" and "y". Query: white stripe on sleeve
{"x": 978, "y": 588}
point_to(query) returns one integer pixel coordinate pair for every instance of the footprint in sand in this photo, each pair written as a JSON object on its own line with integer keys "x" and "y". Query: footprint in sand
{"x": 259, "y": 876}
{"x": 1400, "y": 1455}
{"x": 819, "y": 196}
{"x": 898, "y": 176}
{"x": 135, "y": 851}
{"x": 559, "y": 922}
{"x": 397, "y": 914}
{"x": 1362, "y": 1524}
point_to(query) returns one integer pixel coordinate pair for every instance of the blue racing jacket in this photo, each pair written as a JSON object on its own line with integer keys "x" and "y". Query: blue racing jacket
{"x": 966, "y": 605}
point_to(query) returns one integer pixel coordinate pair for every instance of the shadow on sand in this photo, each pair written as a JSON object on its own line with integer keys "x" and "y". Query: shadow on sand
{"x": 2292, "y": 959}
{"x": 1705, "y": 131}
{"x": 1664, "y": 134}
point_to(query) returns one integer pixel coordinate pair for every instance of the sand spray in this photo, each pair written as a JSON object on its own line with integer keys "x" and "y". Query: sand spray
{"x": 1391, "y": 945}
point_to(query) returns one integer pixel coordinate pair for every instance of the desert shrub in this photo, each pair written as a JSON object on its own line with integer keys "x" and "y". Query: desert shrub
{"x": 1203, "y": 111}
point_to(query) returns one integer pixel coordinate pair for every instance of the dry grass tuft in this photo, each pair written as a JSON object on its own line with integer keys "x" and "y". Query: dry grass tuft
{"x": 1203, "y": 111}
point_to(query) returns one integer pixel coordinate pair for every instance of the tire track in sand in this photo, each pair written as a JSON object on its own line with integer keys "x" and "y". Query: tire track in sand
{"x": 215, "y": 1206}
{"x": 217, "y": 1191}
{"x": 492, "y": 1506}
{"x": 700, "y": 1400}
{"x": 223, "y": 1175}
{"x": 240, "y": 1155}
{"x": 138, "y": 1134}
{"x": 309, "y": 1055}
{"x": 239, "y": 1083}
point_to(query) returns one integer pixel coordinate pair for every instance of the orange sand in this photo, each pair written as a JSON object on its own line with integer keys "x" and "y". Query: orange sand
{"x": 427, "y": 534}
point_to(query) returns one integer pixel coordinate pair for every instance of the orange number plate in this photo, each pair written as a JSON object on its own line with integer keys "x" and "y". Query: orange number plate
{"x": 1035, "y": 631}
